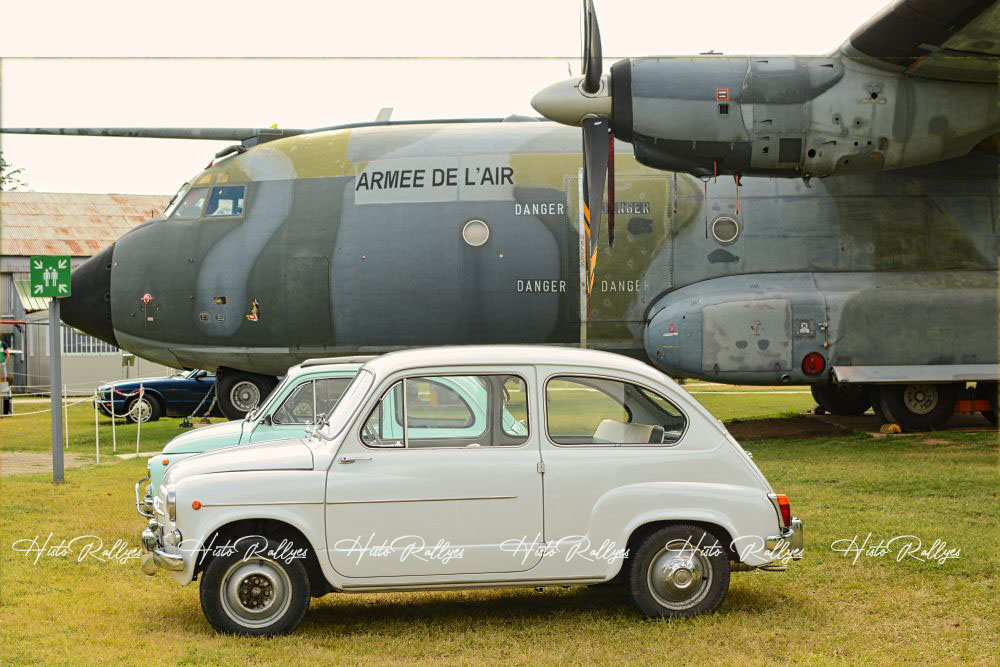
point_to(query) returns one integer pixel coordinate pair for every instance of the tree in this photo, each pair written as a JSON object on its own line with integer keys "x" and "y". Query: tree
{"x": 10, "y": 176}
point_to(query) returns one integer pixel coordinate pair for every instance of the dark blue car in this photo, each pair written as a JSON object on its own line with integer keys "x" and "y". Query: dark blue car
{"x": 175, "y": 396}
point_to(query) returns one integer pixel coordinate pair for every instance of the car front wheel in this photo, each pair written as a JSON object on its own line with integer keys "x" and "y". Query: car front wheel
{"x": 249, "y": 593}
{"x": 679, "y": 570}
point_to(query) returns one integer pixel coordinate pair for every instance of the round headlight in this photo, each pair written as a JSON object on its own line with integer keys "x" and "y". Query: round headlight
{"x": 172, "y": 505}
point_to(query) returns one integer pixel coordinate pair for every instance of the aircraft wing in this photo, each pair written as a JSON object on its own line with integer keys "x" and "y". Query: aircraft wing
{"x": 248, "y": 136}
{"x": 955, "y": 40}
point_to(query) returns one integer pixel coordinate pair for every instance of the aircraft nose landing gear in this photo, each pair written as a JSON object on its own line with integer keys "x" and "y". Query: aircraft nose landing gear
{"x": 240, "y": 392}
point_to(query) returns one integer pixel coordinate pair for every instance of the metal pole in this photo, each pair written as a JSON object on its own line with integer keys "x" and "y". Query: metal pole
{"x": 55, "y": 384}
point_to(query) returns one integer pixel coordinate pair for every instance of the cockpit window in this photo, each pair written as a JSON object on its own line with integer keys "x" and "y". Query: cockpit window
{"x": 192, "y": 203}
{"x": 226, "y": 200}
{"x": 176, "y": 201}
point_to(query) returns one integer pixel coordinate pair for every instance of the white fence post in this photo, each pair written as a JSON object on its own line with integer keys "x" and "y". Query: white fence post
{"x": 138, "y": 420}
{"x": 114, "y": 435}
{"x": 97, "y": 434}
{"x": 65, "y": 418}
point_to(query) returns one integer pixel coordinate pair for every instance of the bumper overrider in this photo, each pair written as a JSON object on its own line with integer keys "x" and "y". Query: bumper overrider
{"x": 143, "y": 501}
{"x": 155, "y": 557}
{"x": 787, "y": 545}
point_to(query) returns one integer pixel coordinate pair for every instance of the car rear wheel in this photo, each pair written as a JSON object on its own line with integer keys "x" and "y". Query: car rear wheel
{"x": 679, "y": 570}
{"x": 248, "y": 593}
{"x": 143, "y": 409}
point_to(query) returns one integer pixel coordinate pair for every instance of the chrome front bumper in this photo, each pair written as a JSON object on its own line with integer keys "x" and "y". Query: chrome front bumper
{"x": 154, "y": 557}
{"x": 143, "y": 503}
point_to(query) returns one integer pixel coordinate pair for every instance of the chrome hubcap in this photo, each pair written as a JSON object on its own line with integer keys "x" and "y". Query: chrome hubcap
{"x": 920, "y": 398}
{"x": 255, "y": 592}
{"x": 679, "y": 575}
{"x": 141, "y": 410}
{"x": 244, "y": 396}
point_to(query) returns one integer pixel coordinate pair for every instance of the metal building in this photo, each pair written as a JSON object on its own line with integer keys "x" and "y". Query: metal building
{"x": 79, "y": 225}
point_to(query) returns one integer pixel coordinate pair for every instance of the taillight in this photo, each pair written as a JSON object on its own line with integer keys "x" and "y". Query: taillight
{"x": 785, "y": 508}
{"x": 813, "y": 363}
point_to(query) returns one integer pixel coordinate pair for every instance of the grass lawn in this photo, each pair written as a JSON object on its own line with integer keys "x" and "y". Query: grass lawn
{"x": 825, "y": 608}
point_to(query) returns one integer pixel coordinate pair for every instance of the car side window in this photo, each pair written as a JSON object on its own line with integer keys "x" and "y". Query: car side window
{"x": 328, "y": 392}
{"x": 468, "y": 411}
{"x": 297, "y": 408}
{"x": 599, "y": 411}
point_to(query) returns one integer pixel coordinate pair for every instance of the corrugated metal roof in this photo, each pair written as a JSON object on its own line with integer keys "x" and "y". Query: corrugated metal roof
{"x": 31, "y": 303}
{"x": 54, "y": 223}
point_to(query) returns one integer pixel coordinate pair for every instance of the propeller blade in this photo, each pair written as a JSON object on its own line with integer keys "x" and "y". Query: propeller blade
{"x": 595, "y": 169}
{"x": 592, "y": 59}
{"x": 611, "y": 188}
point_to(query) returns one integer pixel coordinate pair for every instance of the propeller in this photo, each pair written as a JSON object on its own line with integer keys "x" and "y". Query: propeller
{"x": 593, "y": 64}
{"x": 586, "y": 102}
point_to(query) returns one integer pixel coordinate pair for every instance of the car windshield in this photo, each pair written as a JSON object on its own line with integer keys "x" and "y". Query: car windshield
{"x": 347, "y": 406}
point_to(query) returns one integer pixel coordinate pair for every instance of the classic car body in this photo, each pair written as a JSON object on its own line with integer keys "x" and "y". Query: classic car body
{"x": 605, "y": 458}
{"x": 307, "y": 392}
{"x": 175, "y": 396}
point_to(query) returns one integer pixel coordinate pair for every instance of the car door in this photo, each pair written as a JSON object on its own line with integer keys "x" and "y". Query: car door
{"x": 601, "y": 434}
{"x": 302, "y": 406}
{"x": 434, "y": 481}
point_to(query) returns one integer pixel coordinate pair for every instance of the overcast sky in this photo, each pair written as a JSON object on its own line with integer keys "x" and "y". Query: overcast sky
{"x": 430, "y": 59}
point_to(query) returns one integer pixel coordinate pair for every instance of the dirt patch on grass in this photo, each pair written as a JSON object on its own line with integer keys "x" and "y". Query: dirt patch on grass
{"x": 814, "y": 426}
{"x": 784, "y": 427}
{"x": 26, "y": 463}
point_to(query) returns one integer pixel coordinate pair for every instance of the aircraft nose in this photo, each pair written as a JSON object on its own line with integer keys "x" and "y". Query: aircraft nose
{"x": 89, "y": 307}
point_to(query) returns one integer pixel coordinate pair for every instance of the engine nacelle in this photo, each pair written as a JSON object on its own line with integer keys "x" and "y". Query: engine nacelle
{"x": 792, "y": 116}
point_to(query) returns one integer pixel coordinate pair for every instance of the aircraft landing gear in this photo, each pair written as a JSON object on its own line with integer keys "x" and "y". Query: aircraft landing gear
{"x": 240, "y": 392}
{"x": 988, "y": 391}
{"x": 918, "y": 406}
{"x": 842, "y": 399}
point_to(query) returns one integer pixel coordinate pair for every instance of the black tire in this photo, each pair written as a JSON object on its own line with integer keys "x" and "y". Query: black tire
{"x": 255, "y": 595}
{"x": 673, "y": 576}
{"x": 842, "y": 399}
{"x": 240, "y": 392}
{"x": 989, "y": 391}
{"x": 153, "y": 408}
{"x": 918, "y": 406}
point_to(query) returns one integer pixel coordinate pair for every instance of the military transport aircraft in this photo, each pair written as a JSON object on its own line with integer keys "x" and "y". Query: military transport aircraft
{"x": 824, "y": 221}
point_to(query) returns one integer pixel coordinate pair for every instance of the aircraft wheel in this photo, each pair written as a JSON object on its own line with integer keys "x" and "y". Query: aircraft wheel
{"x": 989, "y": 391}
{"x": 241, "y": 392}
{"x": 918, "y": 406}
{"x": 842, "y": 399}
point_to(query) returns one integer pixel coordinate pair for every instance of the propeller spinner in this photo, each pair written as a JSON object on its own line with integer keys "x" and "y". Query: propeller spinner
{"x": 586, "y": 102}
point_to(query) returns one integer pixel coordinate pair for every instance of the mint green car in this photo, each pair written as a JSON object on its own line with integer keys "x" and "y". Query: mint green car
{"x": 307, "y": 393}
{"x": 310, "y": 391}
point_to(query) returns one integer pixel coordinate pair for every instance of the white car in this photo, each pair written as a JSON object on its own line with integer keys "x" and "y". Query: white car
{"x": 607, "y": 468}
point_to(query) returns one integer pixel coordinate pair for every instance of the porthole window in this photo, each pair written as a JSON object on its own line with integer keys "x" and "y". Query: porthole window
{"x": 476, "y": 233}
{"x": 725, "y": 230}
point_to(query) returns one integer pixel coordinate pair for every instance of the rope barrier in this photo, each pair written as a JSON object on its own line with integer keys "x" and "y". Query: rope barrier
{"x": 38, "y": 412}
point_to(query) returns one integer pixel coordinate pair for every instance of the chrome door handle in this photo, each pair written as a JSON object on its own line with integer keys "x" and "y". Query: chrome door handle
{"x": 352, "y": 459}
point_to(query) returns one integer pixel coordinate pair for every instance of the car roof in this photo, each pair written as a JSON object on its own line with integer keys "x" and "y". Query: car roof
{"x": 329, "y": 364}
{"x": 486, "y": 355}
